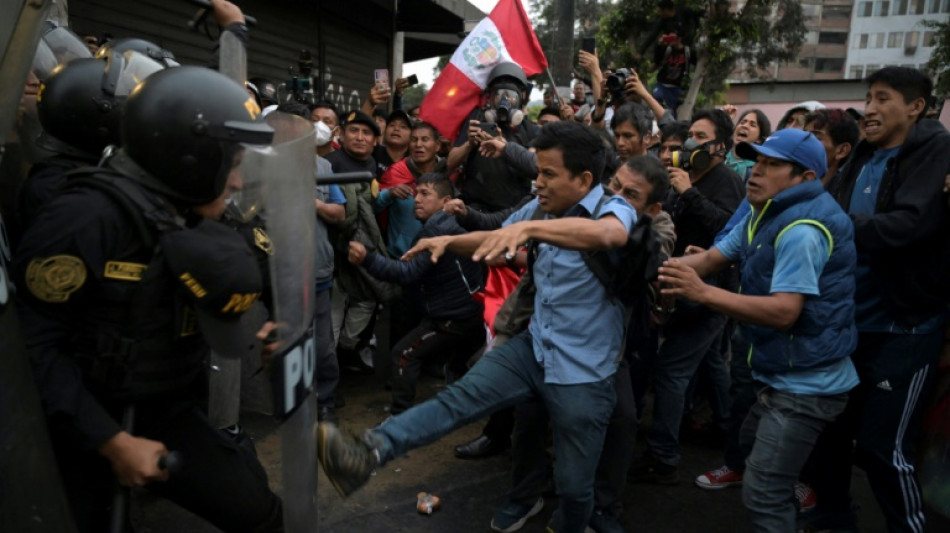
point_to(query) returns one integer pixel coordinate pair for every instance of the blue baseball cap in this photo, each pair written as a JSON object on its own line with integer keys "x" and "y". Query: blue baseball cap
{"x": 789, "y": 144}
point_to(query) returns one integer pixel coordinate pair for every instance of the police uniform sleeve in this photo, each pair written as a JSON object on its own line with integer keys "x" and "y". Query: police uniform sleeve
{"x": 57, "y": 269}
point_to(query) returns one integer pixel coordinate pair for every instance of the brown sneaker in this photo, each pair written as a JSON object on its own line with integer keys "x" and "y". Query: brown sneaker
{"x": 347, "y": 461}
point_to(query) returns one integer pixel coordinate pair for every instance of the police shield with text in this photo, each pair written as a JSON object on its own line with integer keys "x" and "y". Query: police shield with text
{"x": 278, "y": 189}
{"x": 125, "y": 277}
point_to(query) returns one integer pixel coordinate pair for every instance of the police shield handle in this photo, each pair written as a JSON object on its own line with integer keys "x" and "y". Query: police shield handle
{"x": 345, "y": 178}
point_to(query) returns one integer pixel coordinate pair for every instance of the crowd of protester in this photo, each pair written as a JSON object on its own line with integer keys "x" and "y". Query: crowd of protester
{"x": 802, "y": 293}
{"x": 868, "y": 392}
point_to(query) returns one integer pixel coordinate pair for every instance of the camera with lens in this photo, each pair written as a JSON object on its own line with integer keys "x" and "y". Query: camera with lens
{"x": 616, "y": 81}
{"x": 692, "y": 156}
{"x": 300, "y": 85}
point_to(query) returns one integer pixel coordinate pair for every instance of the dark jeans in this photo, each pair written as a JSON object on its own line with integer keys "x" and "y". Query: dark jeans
{"x": 781, "y": 431}
{"x": 327, "y": 367}
{"x": 530, "y": 464}
{"x": 508, "y": 376}
{"x": 688, "y": 339}
{"x": 455, "y": 339}
{"x": 883, "y": 419}
{"x": 218, "y": 480}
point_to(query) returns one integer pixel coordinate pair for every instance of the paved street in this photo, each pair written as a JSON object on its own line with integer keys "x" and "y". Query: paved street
{"x": 471, "y": 490}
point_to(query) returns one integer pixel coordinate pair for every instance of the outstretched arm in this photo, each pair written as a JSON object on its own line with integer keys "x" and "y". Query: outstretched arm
{"x": 778, "y": 310}
{"x": 571, "y": 233}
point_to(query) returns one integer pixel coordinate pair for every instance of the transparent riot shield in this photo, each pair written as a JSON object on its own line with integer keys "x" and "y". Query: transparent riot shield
{"x": 232, "y": 57}
{"x": 31, "y": 496}
{"x": 278, "y": 188}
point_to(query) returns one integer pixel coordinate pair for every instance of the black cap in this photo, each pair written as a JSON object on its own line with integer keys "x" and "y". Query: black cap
{"x": 399, "y": 114}
{"x": 856, "y": 114}
{"x": 359, "y": 117}
{"x": 221, "y": 276}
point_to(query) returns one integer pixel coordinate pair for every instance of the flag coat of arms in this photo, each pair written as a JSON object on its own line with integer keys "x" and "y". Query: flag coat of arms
{"x": 505, "y": 35}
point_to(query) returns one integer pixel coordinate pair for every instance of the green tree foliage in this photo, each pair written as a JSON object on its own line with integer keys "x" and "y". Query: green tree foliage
{"x": 442, "y": 63}
{"x": 939, "y": 64}
{"x": 748, "y": 38}
{"x": 413, "y": 96}
{"x": 587, "y": 15}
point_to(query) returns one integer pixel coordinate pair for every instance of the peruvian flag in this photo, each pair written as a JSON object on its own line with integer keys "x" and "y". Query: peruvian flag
{"x": 505, "y": 36}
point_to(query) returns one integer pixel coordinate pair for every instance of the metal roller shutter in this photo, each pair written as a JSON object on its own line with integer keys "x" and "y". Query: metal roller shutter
{"x": 347, "y": 42}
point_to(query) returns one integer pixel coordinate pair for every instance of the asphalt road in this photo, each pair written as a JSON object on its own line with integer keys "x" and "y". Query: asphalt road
{"x": 472, "y": 490}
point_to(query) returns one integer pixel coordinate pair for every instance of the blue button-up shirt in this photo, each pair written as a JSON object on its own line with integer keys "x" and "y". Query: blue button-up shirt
{"x": 576, "y": 331}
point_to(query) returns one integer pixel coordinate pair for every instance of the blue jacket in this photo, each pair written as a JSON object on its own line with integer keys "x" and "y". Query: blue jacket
{"x": 825, "y": 330}
{"x": 442, "y": 290}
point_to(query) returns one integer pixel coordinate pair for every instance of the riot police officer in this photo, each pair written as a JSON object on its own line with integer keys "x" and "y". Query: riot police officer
{"x": 79, "y": 106}
{"x": 124, "y": 278}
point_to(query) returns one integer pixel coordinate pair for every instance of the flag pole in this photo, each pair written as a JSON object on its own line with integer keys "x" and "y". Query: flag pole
{"x": 557, "y": 97}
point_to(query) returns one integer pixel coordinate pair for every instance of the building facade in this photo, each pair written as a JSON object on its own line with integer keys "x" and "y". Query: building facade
{"x": 848, "y": 39}
{"x": 824, "y": 52}
{"x": 892, "y": 33}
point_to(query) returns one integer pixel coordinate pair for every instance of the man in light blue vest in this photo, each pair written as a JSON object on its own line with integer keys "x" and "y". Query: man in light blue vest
{"x": 795, "y": 308}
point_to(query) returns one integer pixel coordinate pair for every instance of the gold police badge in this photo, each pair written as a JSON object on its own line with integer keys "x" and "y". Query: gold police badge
{"x": 54, "y": 278}
{"x": 263, "y": 241}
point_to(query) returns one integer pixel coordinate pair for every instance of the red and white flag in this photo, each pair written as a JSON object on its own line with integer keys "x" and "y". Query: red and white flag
{"x": 505, "y": 35}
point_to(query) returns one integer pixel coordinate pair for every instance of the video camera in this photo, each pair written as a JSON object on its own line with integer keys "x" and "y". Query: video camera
{"x": 616, "y": 81}
{"x": 300, "y": 85}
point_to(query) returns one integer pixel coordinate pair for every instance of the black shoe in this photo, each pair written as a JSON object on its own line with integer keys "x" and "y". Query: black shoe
{"x": 347, "y": 461}
{"x": 481, "y": 448}
{"x": 601, "y": 522}
{"x": 240, "y": 437}
{"x": 649, "y": 469}
{"x": 351, "y": 363}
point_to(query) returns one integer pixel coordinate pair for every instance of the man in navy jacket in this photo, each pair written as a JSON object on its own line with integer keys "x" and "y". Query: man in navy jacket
{"x": 452, "y": 322}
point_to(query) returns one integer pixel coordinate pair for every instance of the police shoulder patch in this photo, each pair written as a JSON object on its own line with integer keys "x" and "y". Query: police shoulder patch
{"x": 262, "y": 241}
{"x": 54, "y": 278}
{"x": 125, "y": 271}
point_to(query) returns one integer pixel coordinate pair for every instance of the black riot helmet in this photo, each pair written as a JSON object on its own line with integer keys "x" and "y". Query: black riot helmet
{"x": 146, "y": 48}
{"x": 507, "y": 90}
{"x": 184, "y": 125}
{"x": 508, "y": 70}
{"x": 80, "y": 103}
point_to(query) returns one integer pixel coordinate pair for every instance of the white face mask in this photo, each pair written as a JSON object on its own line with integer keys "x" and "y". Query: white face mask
{"x": 324, "y": 135}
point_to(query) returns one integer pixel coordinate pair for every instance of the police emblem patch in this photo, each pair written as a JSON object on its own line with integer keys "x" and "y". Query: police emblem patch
{"x": 54, "y": 278}
{"x": 125, "y": 271}
{"x": 262, "y": 241}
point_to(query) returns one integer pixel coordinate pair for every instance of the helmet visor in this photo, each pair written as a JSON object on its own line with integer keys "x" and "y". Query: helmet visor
{"x": 513, "y": 96}
{"x": 57, "y": 46}
{"x": 133, "y": 69}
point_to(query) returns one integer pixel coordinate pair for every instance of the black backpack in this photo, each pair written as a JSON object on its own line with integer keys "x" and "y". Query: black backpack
{"x": 627, "y": 273}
